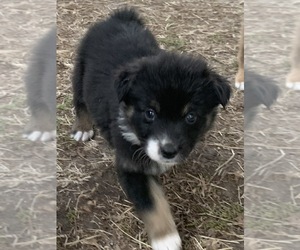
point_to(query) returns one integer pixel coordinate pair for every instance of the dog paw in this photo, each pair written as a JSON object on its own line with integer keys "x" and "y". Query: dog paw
{"x": 169, "y": 242}
{"x": 41, "y": 127}
{"x": 43, "y": 136}
{"x": 82, "y": 135}
{"x": 293, "y": 85}
{"x": 239, "y": 85}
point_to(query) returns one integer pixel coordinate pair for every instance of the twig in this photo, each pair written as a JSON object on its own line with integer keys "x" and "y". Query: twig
{"x": 134, "y": 239}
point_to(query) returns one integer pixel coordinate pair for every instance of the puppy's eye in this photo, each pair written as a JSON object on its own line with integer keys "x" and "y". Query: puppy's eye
{"x": 191, "y": 118}
{"x": 150, "y": 115}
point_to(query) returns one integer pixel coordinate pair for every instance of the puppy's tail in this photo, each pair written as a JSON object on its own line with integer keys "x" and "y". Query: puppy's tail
{"x": 128, "y": 14}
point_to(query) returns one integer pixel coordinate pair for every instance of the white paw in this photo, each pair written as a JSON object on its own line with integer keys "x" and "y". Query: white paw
{"x": 169, "y": 242}
{"x": 293, "y": 85}
{"x": 48, "y": 136}
{"x": 42, "y": 136}
{"x": 239, "y": 85}
{"x": 83, "y": 135}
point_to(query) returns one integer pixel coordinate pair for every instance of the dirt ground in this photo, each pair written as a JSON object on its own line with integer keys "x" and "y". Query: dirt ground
{"x": 272, "y": 145}
{"x": 206, "y": 192}
{"x": 27, "y": 170}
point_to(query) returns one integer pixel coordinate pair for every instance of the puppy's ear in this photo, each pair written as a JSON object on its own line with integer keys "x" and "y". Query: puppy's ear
{"x": 123, "y": 83}
{"x": 221, "y": 89}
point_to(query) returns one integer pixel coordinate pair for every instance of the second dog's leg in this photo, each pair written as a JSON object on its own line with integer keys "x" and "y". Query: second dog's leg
{"x": 41, "y": 125}
{"x": 293, "y": 78}
{"x": 239, "y": 79}
{"x": 151, "y": 204}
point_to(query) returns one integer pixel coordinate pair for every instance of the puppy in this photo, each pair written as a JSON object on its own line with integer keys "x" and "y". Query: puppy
{"x": 40, "y": 87}
{"x": 151, "y": 105}
{"x": 259, "y": 90}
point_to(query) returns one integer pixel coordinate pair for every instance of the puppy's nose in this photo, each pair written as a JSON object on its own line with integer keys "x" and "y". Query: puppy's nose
{"x": 168, "y": 151}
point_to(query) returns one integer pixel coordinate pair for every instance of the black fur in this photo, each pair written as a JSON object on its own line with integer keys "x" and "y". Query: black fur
{"x": 259, "y": 90}
{"x": 120, "y": 74}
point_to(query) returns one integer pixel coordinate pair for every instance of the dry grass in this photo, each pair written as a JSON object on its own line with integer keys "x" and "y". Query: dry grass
{"x": 27, "y": 170}
{"x": 272, "y": 145}
{"x": 205, "y": 193}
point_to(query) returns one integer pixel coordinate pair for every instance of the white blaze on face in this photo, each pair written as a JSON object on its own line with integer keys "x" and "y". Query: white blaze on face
{"x": 152, "y": 150}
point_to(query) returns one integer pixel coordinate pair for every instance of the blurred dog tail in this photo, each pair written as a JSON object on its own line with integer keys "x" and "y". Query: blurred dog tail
{"x": 128, "y": 14}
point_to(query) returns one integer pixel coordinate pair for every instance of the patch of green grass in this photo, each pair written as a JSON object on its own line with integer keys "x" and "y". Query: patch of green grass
{"x": 265, "y": 216}
{"x": 14, "y": 104}
{"x": 71, "y": 216}
{"x": 172, "y": 42}
{"x": 66, "y": 104}
{"x": 24, "y": 216}
{"x": 216, "y": 38}
{"x": 222, "y": 217}
{"x": 286, "y": 64}
{"x": 235, "y": 64}
{"x": 2, "y": 126}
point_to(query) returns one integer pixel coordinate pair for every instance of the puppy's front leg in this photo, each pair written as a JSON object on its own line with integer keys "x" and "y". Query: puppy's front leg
{"x": 150, "y": 202}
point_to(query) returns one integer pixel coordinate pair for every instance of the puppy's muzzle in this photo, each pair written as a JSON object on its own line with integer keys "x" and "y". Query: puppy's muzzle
{"x": 168, "y": 151}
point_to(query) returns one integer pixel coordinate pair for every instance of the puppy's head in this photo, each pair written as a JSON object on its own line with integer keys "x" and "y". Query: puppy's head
{"x": 167, "y": 102}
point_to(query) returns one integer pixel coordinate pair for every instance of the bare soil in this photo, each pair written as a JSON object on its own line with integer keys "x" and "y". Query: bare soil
{"x": 27, "y": 170}
{"x": 205, "y": 193}
{"x": 272, "y": 144}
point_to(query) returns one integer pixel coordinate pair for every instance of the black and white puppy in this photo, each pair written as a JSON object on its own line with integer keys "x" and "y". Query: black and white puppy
{"x": 259, "y": 90}
{"x": 41, "y": 90}
{"x": 151, "y": 105}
